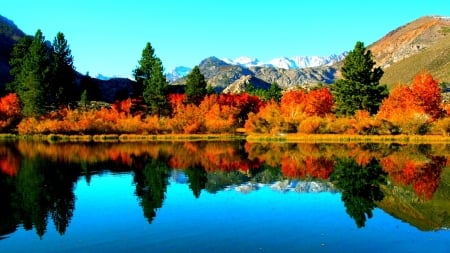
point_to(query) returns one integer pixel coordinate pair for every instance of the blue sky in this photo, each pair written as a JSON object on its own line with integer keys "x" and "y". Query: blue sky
{"x": 107, "y": 37}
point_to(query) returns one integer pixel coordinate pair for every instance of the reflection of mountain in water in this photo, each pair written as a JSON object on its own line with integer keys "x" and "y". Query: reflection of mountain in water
{"x": 286, "y": 186}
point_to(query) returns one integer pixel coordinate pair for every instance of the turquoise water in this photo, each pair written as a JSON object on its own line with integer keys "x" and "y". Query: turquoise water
{"x": 108, "y": 218}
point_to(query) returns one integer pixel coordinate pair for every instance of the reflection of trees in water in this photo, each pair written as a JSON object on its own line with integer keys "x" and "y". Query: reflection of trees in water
{"x": 197, "y": 177}
{"x": 360, "y": 187}
{"x": 151, "y": 185}
{"x": 417, "y": 167}
{"x": 41, "y": 189}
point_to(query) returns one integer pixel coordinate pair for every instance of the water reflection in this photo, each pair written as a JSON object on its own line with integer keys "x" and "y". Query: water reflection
{"x": 37, "y": 179}
{"x": 360, "y": 186}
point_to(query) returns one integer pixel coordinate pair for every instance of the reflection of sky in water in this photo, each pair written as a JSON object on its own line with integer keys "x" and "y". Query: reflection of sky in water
{"x": 108, "y": 218}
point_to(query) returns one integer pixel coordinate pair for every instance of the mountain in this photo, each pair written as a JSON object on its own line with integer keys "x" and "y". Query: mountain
{"x": 221, "y": 73}
{"x": 9, "y": 35}
{"x": 294, "y": 62}
{"x": 177, "y": 73}
{"x": 423, "y": 44}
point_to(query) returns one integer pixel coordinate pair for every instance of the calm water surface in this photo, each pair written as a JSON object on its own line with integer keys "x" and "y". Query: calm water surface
{"x": 224, "y": 197}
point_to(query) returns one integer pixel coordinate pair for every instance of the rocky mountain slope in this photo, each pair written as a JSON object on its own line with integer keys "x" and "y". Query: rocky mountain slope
{"x": 220, "y": 74}
{"x": 423, "y": 44}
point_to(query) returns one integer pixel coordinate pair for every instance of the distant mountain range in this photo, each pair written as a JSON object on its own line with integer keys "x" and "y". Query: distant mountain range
{"x": 295, "y": 62}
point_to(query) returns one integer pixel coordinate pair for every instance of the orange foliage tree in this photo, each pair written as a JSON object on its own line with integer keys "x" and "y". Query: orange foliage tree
{"x": 267, "y": 120}
{"x": 427, "y": 92}
{"x": 412, "y": 107}
{"x": 319, "y": 102}
{"x": 402, "y": 109}
{"x": 9, "y": 111}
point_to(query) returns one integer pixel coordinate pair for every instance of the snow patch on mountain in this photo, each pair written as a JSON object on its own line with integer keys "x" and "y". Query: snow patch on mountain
{"x": 177, "y": 73}
{"x": 294, "y": 62}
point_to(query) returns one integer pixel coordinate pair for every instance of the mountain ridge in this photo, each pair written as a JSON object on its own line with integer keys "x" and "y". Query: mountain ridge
{"x": 294, "y": 62}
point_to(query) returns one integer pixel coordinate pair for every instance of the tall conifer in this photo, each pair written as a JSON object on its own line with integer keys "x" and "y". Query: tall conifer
{"x": 195, "y": 86}
{"x": 62, "y": 85}
{"x": 34, "y": 77}
{"x": 359, "y": 89}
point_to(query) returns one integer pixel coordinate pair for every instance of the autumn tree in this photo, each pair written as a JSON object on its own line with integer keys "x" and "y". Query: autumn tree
{"x": 195, "y": 86}
{"x": 359, "y": 89}
{"x": 428, "y": 94}
{"x": 9, "y": 111}
{"x": 319, "y": 102}
{"x": 62, "y": 83}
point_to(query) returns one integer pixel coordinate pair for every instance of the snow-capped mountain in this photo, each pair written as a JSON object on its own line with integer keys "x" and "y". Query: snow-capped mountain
{"x": 288, "y": 62}
{"x": 177, "y": 73}
{"x": 295, "y": 62}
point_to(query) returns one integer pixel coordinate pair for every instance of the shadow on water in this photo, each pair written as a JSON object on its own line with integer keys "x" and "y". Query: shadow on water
{"x": 37, "y": 179}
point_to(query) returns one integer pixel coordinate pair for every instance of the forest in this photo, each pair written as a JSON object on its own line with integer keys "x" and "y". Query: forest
{"x": 45, "y": 97}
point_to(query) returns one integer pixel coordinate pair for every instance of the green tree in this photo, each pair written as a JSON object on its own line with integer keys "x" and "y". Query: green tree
{"x": 16, "y": 62}
{"x": 156, "y": 89}
{"x": 144, "y": 70}
{"x": 359, "y": 89}
{"x": 274, "y": 92}
{"x": 33, "y": 78}
{"x": 62, "y": 85}
{"x": 195, "y": 86}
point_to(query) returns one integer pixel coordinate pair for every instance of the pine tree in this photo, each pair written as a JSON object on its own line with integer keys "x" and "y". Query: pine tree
{"x": 18, "y": 54}
{"x": 62, "y": 85}
{"x": 195, "y": 86}
{"x": 144, "y": 70}
{"x": 156, "y": 89}
{"x": 274, "y": 92}
{"x": 359, "y": 89}
{"x": 33, "y": 77}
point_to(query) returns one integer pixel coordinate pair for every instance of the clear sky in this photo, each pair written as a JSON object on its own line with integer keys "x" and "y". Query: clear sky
{"x": 107, "y": 37}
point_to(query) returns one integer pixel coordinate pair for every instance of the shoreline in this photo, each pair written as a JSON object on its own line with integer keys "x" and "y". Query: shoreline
{"x": 289, "y": 138}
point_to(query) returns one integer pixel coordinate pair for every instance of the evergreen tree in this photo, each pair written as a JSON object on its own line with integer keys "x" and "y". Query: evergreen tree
{"x": 274, "y": 92}
{"x": 156, "y": 89}
{"x": 18, "y": 54}
{"x": 195, "y": 86}
{"x": 359, "y": 89}
{"x": 33, "y": 78}
{"x": 144, "y": 70}
{"x": 62, "y": 86}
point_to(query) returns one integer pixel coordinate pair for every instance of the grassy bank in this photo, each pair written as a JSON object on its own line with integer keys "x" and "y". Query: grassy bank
{"x": 339, "y": 138}
{"x": 302, "y": 138}
{"x": 121, "y": 137}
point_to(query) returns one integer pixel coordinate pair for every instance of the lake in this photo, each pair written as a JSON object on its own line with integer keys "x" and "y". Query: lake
{"x": 209, "y": 196}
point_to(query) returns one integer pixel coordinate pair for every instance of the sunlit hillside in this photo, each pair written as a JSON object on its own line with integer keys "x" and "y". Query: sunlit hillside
{"x": 423, "y": 44}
